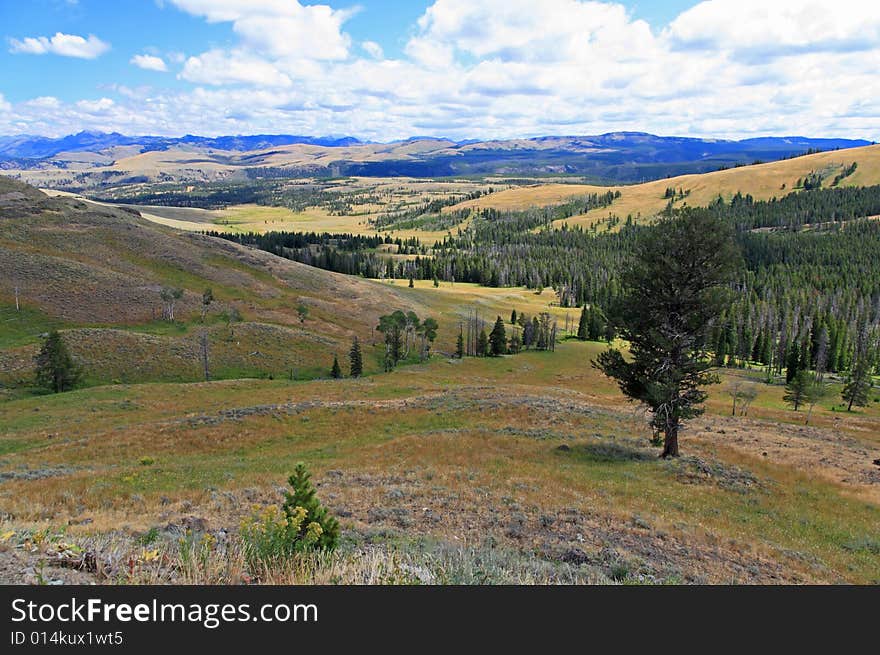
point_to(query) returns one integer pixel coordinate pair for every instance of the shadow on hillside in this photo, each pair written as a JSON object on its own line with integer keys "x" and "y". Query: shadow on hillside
{"x": 612, "y": 451}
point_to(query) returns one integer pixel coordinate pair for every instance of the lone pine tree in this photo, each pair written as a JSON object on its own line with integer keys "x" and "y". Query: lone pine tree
{"x": 56, "y": 369}
{"x": 355, "y": 359}
{"x": 675, "y": 285}
{"x": 335, "y": 371}
{"x": 797, "y": 391}
{"x": 304, "y": 496}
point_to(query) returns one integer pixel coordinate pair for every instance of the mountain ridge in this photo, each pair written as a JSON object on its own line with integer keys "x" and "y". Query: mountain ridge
{"x": 41, "y": 147}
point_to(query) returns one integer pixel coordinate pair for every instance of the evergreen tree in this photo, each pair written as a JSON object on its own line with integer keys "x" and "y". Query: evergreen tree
{"x": 597, "y": 328}
{"x": 483, "y": 344}
{"x": 304, "y": 496}
{"x": 356, "y": 360}
{"x": 584, "y": 324}
{"x": 857, "y": 384}
{"x": 674, "y": 288}
{"x": 515, "y": 344}
{"x": 513, "y": 317}
{"x": 797, "y": 391}
{"x": 335, "y": 372}
{"x": 816, "y": 391}
{"x": 792, "y": 363}
{"x": 56, "y": 369}
{"x": 459, "y": 346}
{"x": 498, "y": 339}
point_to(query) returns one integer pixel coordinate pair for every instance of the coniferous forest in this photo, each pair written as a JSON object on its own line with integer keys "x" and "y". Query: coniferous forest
{"x": 807, "y": 296}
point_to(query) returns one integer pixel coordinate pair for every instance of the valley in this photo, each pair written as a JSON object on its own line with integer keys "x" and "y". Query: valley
{"x": 524, "y": 468}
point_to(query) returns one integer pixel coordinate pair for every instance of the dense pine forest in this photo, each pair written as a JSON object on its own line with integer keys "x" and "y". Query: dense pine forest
{"x": 808, "y": 295}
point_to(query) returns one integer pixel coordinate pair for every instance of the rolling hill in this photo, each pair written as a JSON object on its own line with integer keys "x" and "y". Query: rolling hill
{"x": 96, "y": 272}
{"x": 762, "y": 181}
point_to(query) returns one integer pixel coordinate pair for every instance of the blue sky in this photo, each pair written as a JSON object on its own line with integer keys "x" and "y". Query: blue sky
{"x": 386, "y": 69}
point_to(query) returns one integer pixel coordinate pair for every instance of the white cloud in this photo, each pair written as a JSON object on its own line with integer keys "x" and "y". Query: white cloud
{"x": 4, "y": 106}
{"x": 219, "y": 67}
{"x": 97, "y": 107}
{"x": 66, "y": 45}
{"x": 373, "y": 49}
{"x": 509, "y": 68}
{"x": 149, "y": 62}
{"x": 280, "y": 28}
{"x": 757, "y": 29}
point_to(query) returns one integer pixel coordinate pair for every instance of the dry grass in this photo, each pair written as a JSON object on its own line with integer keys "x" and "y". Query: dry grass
{"x": 762, "y": 181}
{"x": 462, "y": 452}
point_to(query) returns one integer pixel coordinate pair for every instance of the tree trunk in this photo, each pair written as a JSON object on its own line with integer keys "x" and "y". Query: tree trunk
{"x": 205, "y": 363}
{"x": 670, "y": 441}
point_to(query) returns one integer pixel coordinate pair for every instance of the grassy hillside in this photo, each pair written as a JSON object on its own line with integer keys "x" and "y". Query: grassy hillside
{"x": 530, "y": 463}
{"x": 96, "y": 272}
{"x": 763, "y": 181}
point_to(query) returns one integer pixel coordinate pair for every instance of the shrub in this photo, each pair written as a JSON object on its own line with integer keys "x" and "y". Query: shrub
{"x": 271, "y": 535}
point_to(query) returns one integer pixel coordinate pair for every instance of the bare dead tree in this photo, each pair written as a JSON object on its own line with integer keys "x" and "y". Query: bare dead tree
{"x": 205, "y": 364}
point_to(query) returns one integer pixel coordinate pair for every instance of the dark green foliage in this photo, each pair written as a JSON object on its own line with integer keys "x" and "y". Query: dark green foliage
{"x": 305, "y": 496}
{"x": 427, "y": 332}
{"x": 515, "y": 343}
{"x": 459, "y": 346}
{"x": 335, "y": 371}
{"x": 402, "y": 330}
{"x": 355, "y": 359}
{"x": 392, "y": 326}
{"x": 797, "y": 391}
{"x": 674, "y": 288}
{"x": 858, "y": 380}
{"x": 584, "y": 324}
{"x": 56, "y": 370}
{"x": 513, "y": 317}
{"x": 483, "y": 344}
{"x": 498, "y": 339}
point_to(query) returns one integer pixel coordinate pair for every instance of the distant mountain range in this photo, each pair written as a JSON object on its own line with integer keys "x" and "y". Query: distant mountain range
{"x": 40, "y": 147}
{"x": 101, "y": 158}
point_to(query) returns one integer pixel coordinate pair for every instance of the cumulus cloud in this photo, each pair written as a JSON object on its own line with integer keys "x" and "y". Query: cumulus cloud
{"x": 280, "y": 28}
{"x": 511, "y": 68}
{"x": 97, "y": 107}
{"x": 756, "y": 29}
{"x": 219, "y": 67}
{"x": 149, "y": 62}
{"x": 66, "y": 45}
